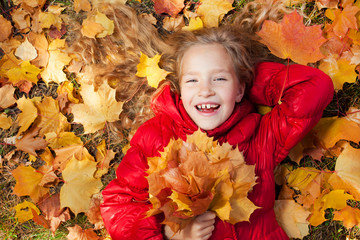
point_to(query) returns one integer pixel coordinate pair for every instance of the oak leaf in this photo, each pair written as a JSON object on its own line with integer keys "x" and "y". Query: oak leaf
{"x": 23, "y": 211}
{"x": 77, "y": 233}
{"x": 149, "y": 68}
{"x": 5, "y": 28}
{"x": 171, "y": 7}
{"x": 82, "y": 5}
{"x": 349, "y": 216}
{"x": 79, "y": 185}
{"x": 291, "y": 216}
{"x": 213, "y": 11}
{"x": 5, "y": 121}
{"x": 292, "y": 39}
{"x": 98, "y": 108}
{"x": 340, "y": 71}
{"x": 347, "y": 169}
{"x": 343, "y": 20}
{"x": 28, "y": 114}
{"x": 27, "y": 183}
{"x": 7, "y": 96}
{"x": 30, "y": 142}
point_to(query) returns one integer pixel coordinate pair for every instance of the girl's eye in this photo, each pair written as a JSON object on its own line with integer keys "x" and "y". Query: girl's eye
{"x": 220, "y": 79}
{"x": 191, "y": 80}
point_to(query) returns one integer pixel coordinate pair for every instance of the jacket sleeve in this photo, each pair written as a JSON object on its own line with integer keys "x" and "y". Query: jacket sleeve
{"x": 126, "y": 197}
{"x": 298, "y": 95}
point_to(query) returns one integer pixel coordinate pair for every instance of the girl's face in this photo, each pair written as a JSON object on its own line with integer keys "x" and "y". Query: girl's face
{"x": 208, "y": 85}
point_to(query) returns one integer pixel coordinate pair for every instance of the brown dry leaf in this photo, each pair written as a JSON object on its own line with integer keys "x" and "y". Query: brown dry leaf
{"x": 31, "y": 3}
{"x": 343, "y": 20}
{"x": 26, "y": 51}
{"x": 24, "y": 211}
{"x": 28, "y": 114}
{"x": 77, "y": 233}
{"x": 327, "y": 3}
{"x": 213, "y": 11}
{"x": 5, "y": 28}
{"x": 292, "y": 39}
{"x": 347, "y": 170}
{"x": 171, "y": 7}
{"x": 5, "y": 121}
{"x": 79, "y": 185}
{"x": 27, "y": 183}
{"x": 54, "y": 215}
{"x": 21, "y": 18}
{"x": 349, "y": 216}
{"x": 62, "y": 139}
{"x": 41, "y": 44}
{"x": 82, "y": 5}
{"x": 50, "y": 118}
{"x": 103, "y": 157}
{"x": 7, "y": 96}
{"x": 94, "y": 215}
{"x": 98, "y": 108}
{"x": 173, "y": 24}
{"x": 353, "y": 114}
{"x": 63, "y": 155}
{"x": 291, "y": 216}
{"x": 29, "y": 142}
{"x": 340, "y": 70}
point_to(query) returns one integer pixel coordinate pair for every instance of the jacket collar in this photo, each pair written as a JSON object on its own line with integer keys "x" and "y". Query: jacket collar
{"x": 168, "y": 103}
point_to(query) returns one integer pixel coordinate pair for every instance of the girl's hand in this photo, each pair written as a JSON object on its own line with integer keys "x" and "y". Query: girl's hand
{"x": 198, "y": 229}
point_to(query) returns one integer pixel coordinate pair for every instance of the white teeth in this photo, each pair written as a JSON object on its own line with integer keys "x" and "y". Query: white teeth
{"x": 207, "y": 106}
{"x": 203, "y": 106}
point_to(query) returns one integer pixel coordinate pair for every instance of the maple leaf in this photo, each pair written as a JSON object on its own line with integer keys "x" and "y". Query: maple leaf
{"x": 26, "y": 51}
{"x": 292, "y": 218}
{"x": 291, "y": 39}
{"x": 5, "y": 28}
{"x": 347, "y": 169}
{"x": 97, "y": 25}
{"x": 77, "y": 233}
{"x": 98, "y": 108}
{"x": 47, "y": 157}
{"x": 29, "y": 142}
{"x": 94, "y": 215}
{"x": 23, "y": 211}
{"x": 62, "y": 139}
{"x": 79, "y": 185}
{"x": 171, "y": 7}
{"x": 27, "y": 183}
{"x": 343, "y": 19}
{"x": 47, "y": 19}
{"x": 41, "y": 45}
{"x": 353, "y": 114}
{"x": 63, "y": 155}
{"x": 103, "y": 157}
{"x": 21, "y": 18}
{"x": 5, "y": 121}
{"x": 82, "y": 5}
{"x": 340, "y": 71}
{"x": 28, "y": 114}
{"x": 31, "y": 3}
{"x": 57, "y": 60}
{"x": 213, "y": 11}
{"x": 26, "y": 71}
{"x": 173, "y": 23}
{"x": 327, "y": 3}
{"x": 54, "y": 215}
{"x": 194, "y": 24}
{"x": 7, "y": 96}
{"x": 149, "y": 68}
{"x": 349, "y": 216}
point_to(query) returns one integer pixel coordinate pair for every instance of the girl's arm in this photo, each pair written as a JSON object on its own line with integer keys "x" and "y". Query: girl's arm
{"x": 126, "y": 197}
{"x": 298, "y": 95}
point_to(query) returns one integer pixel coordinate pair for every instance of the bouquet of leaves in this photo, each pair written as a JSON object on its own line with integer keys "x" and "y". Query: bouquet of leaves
{"x": 198, "y": 175}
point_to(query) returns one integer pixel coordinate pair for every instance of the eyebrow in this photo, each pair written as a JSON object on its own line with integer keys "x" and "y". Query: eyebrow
{"x": 215, "y": 71}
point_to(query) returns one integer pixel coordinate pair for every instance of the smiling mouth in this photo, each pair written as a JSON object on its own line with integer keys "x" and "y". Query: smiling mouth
{"x": 207, "y": 107}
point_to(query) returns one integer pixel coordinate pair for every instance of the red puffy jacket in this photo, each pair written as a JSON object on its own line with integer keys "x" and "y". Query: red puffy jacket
{"x": 265, "y": 141}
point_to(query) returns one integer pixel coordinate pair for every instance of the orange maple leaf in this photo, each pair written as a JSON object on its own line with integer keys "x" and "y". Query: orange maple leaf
{"x": 29, "y": 142}
{"x": 291, "y": 39}
{"x": 343, "y": 20}
{"x": 171, "y": 7}
{"x": 76, "y": 233}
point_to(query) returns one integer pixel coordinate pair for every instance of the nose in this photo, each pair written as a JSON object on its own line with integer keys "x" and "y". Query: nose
{"x": 205, "y": 89}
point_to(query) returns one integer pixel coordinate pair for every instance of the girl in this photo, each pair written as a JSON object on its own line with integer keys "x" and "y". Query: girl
{"x": 218, "y": 75}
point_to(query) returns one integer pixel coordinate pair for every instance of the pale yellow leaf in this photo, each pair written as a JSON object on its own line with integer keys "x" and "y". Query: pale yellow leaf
{"x": 26, "y": 51}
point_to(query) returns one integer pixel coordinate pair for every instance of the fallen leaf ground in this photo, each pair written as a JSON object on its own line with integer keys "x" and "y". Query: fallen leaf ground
{"x": 11, "y": 229}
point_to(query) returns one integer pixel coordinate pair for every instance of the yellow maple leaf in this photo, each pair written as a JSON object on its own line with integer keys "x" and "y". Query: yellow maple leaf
{"x": 62, "y": 139}
{"x": 63, "y": 155}
{"x": 291, "y": 216}
{"x": 349, "y": 216}
{"x": 47, "y": 19}
{"x": 7, "y": 96}
{"x": 26, "y": 71}
{"x": 27, "y": 182}
{"x": 90, "y": 28}
{"x": 149, "y": 68}
{"x": 82, "y": 5}
{"x": 24, "y": 211}
{"x": 50, "y": 118}
{"x": 28, "y": 114}
{"x": 54, "y": 70}
{"x": 340, "y": 71}
{"x": 194, "y": 24}
{"x": 107, "y": 24}
{"x": 347, "y": 170}
{"x": 5, "y": 121}
{"x": 336, "y": 199}
{"x": 97, "y": 25}
{"x": 98, "y": 108}
{"x": 5, "y": 28}
{"x": 213, "y": 11}
{"x": 79, "y": 185}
